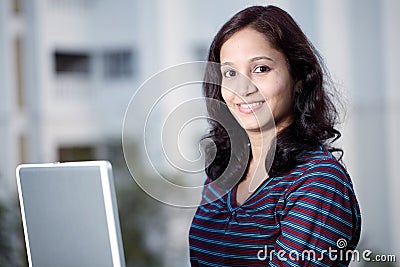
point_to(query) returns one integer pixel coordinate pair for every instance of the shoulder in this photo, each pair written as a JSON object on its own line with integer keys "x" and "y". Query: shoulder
{"x": 320, "y": 169}
{"x": 323, "y": 189}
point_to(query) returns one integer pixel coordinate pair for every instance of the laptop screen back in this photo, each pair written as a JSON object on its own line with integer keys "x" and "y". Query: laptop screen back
{"x": 70, "y": 215}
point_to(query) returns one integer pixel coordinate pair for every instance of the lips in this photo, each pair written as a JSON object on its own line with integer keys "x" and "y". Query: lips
{"x": 250, "y": 107}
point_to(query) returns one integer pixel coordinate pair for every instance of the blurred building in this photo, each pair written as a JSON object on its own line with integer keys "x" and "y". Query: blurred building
{"x": 68, "y": 69}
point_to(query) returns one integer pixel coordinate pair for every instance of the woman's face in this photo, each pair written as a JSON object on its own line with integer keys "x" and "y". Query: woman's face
{"x": 256, "y": 81}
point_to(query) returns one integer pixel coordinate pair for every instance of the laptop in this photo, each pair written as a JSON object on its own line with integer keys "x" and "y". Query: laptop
{"x": 70, "y": 215}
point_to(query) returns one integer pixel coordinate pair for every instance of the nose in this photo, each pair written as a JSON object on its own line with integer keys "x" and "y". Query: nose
{"x": 244, "y": 86}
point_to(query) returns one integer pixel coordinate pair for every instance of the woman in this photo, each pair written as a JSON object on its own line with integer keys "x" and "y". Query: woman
{"x": 287, "y": 200}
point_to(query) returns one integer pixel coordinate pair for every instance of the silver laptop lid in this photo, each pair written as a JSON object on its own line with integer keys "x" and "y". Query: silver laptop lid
{"x": 70, "y": 214}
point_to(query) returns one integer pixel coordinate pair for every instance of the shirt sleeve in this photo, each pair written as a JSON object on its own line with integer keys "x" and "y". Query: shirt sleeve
{"x": 319, "y": 219}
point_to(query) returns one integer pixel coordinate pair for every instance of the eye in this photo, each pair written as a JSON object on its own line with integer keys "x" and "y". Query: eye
{"x": 261, "y": 69}
{"x": 229, "y": 73}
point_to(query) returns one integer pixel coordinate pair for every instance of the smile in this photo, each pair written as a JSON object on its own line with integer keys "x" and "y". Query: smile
{"x": 250, "y": 107}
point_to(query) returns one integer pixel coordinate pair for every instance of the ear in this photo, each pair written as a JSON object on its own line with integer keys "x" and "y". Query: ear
{"x": 298, "y": 86}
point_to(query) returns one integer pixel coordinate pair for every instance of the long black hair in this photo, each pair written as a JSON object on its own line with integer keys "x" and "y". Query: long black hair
{"x": 315, "y": 115}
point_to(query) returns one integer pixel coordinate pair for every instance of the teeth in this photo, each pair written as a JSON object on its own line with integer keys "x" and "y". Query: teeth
{"x": 250, "y": 105}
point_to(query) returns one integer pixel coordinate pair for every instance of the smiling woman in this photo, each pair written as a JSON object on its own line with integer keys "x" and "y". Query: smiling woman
{"x": 294, "y": 196}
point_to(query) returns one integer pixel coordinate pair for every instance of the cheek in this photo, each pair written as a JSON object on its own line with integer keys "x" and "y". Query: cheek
{"x": 282, "y": 105}
{"x": 227, "y": 95}
{"x": 279, "y": 96}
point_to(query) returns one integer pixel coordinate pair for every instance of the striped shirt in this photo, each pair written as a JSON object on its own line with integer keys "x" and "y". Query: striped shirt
{"x": 306, "y": 217}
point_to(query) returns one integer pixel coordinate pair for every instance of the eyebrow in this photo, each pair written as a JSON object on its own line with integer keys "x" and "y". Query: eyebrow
{"x": 251, "y": 60}
{"x": 260, "y": 57}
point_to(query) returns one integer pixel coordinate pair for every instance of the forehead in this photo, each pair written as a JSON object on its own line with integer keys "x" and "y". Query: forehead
{"x": 247, "y": 42}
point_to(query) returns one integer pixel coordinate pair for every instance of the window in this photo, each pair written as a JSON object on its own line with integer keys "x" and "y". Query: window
{"x": 118, "y": 64}
{"x": 111, "y": 150}
{"x": 17, "y": 6}
{"x": 76, "y": 153}
{"x": 77, "y": 63}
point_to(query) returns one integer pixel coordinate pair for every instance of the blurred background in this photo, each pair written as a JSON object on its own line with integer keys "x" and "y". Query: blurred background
{"x": 68, "y": 69}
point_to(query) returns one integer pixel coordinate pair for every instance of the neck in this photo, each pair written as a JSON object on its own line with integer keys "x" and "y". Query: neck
{"x": 260, "y": 144}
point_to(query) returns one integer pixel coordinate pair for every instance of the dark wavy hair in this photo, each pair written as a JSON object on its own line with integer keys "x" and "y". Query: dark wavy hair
{"x": 315, "y": 115}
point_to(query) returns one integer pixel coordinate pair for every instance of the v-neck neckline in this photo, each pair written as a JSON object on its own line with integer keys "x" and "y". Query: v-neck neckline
{"x": 232, "y": 195}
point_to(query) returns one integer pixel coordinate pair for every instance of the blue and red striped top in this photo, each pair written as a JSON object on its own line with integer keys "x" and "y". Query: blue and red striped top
{"x": 307, "y": 217}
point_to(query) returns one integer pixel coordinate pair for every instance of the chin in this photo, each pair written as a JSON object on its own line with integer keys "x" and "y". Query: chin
{"x": 258, "y": 125}
{"x": 251, "y": 127}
